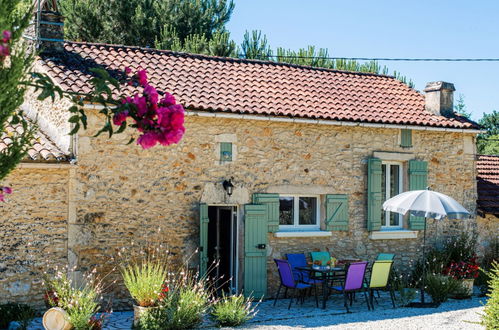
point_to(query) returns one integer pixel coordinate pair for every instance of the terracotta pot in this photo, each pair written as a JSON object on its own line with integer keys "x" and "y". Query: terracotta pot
{"x": 56, "y": 318}
{"x": 468, "y": 285}
{"x": 138, "y": 311}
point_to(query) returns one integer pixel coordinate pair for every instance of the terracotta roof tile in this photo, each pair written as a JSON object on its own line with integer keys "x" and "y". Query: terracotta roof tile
{"x": 254, "y": 87}
{"x": 488, "y": 184}
{"x": 42, "y": 149}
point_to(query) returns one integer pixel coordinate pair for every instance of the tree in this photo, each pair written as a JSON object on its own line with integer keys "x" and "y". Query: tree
{"x": 15, "y": 64}
{"x": 460, "y": 107}
{"x": 488, "y": 143}
{"x": 165, "y": 24}
{"x": 255, "y": 46}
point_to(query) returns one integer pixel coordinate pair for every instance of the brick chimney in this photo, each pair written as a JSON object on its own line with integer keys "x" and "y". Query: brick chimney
{"x": 439, "y": 98}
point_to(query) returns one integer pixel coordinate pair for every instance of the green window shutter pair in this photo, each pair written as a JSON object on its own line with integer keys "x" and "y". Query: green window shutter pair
{"x": 418, "y": 180}
{"x": 271, "y": 202}
{"x": 337, "y": 212}
{"x": 406, "y": 138}
{"x": 418, "y": 174}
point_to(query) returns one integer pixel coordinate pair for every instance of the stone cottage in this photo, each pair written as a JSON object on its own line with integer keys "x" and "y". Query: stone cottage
{"x": 276, "y": 159}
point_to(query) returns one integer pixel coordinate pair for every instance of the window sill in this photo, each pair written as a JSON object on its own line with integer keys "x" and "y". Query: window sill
{"x": 393, "y": 234}
{"x": 308, "y": 233}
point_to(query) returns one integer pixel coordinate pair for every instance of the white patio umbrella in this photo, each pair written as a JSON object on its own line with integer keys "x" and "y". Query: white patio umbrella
{"x": 428, "y": 204}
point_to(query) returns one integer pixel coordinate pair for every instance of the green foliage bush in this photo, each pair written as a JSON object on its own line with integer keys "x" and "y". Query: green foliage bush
{"x": 490, "y": 318}
{"x": 232, "y": 311}
{"x": 440, "y": 287}
{"x": 15, "y": 312}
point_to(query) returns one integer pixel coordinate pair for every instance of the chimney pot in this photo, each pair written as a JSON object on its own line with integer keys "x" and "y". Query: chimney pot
{"x": 439, "y": 98}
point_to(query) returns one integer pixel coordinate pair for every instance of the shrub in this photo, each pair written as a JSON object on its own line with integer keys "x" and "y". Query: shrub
{"x": 232, "y": 311}
{"x": 15, "y": 312}
{"x": 490, "y": 318}
{"x": 81, "y": 303}
{"x": 491, "y": 256}
{"x": 144, "y": 280}
{"x": 181, "y": 306}
{"x": 401, "y": 284}
{"x": 440, "y": 287}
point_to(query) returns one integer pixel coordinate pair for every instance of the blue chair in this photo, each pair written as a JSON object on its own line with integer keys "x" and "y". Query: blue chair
{"x": 299, "y": 260}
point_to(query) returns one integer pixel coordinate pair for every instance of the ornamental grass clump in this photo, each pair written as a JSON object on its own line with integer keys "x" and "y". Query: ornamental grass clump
{"x": 232, "y": 311}
{"x": 440, "y": 287}
{"x": 144, "y": 280}
{"x": 81, "y": 303}
{"x": 182, "y": 305}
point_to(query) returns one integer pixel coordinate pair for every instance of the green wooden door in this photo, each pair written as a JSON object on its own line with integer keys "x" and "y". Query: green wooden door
{"x": 255, "y": 250}
{"x": 203, "y": 239}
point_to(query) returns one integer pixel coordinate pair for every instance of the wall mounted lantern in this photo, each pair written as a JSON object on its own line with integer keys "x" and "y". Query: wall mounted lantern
{"x": 228, "y": 186}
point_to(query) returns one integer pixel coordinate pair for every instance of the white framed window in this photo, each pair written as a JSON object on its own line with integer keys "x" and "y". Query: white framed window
{"x": 392, "y": 185}
{"x": 297, "y": 212}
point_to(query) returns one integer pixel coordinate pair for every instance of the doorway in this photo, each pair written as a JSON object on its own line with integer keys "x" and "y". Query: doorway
{"x": 222, "y": 247}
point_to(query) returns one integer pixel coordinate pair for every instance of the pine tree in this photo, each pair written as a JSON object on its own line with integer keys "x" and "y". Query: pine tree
{"x": 488, "y": 143}
{"x": 182, "y": 25}
{"x": 14, "y": 70}
{"x": 255, "y": 46}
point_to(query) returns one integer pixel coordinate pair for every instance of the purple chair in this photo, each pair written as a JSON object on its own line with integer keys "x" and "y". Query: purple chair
{"x": 288, "y": 282}
{"x": 299, "y": 260}
{"x": 354, "y": 282}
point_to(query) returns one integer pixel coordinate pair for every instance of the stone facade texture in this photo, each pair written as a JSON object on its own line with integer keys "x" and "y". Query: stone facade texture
{"x": 33, "y": 232}
{"x": 488, "y": 232}
{"x": 119, "y": 193}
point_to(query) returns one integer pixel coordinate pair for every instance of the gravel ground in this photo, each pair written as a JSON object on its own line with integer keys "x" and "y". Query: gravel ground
{"x": 453, "y": 314}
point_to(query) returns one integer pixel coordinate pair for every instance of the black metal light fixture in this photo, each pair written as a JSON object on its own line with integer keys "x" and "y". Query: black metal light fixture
{"x": 228, "y": 186}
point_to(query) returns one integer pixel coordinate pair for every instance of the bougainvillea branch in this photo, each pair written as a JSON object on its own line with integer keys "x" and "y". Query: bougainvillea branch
{"x": 158, "y": 118}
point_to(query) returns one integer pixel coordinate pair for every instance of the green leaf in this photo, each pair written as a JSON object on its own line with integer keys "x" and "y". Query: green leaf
{"x": 75, "y": 129}
{"x": 122, "y": 128}
{"x": 131, "y": 140}
{"x": 74, "y": 119}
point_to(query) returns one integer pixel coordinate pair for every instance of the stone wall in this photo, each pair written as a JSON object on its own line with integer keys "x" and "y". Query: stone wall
{"x": 33, "y": 232}
{"x": 488, "y": 232}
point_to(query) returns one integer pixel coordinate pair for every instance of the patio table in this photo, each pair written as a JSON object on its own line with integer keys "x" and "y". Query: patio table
{"x": 323, "y": 274}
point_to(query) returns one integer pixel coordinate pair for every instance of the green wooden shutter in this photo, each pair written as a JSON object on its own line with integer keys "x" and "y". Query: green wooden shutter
{"x": 255, "y": 250}
{"x": 271, "y": 202}
{"x": 374, "y": 197}
{"x": 336, "y": 212}
{"x": 406, "y": 138}
{"x": 418, "y": 180}
{"x": 203, "y": 239}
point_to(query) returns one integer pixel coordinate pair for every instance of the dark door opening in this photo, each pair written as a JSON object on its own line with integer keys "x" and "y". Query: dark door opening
{"x": 222, "y": 247}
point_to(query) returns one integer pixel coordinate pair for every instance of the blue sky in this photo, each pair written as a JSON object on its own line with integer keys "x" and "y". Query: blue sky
{"x": 383, "y": 28}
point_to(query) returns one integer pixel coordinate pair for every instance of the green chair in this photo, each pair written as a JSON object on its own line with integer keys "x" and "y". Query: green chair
{"x": 323, "y": 256}
{"x": 380, "y": 276}
{"x": 385, "y": 256}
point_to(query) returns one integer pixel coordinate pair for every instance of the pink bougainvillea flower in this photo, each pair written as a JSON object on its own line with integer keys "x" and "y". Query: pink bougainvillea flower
{"x": 177, "y": 116}
{"x": 2, "y": 198}
{"x": 120, "y": 117}
{"x": 128, "y": 70}
{"x": 152, "y": 94}
{"x": 142, "y": 76}
{"x": 148, "y": 140}
{"x": 7, "y": 190}
{"x": 167, "y": 100}
{"x": 4, "y": 50}
{"x": 6, "y": 34}
{"x": 141, "y": 103}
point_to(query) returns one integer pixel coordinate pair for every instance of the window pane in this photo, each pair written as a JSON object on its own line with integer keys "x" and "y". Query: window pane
{"x": 394, "y": 190}
{"x": 286, "y": 210}
{"x": 308, "y": 211}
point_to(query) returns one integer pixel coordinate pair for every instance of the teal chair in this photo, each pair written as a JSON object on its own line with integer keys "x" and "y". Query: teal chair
{"x": 323, "y": 256}
{"x": 386, "y": 256}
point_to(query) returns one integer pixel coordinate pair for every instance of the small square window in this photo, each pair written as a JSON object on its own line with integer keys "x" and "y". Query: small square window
{"x": 225, "y": 151}
{"x": 299, "y": 212}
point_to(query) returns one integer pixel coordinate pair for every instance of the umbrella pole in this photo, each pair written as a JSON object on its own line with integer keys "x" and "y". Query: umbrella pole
{"x": 424, "y": 262}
